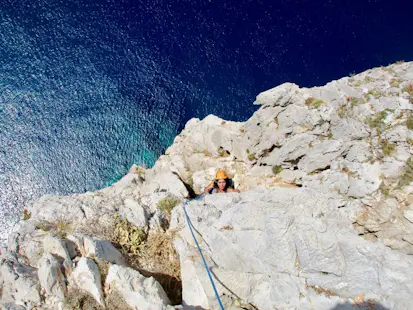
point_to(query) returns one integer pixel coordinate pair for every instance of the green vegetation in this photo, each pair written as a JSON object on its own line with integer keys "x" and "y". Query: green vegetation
{"x": 329, "y": 135}
{"x": 375, "y": 93}
{"x": 409, "y": 123}
{"x": 276, "y": 120}
{"x": 395, "y": 83}
{"x": 342, "y": 110}
{"x": 276, "y": 169}
{"x": 407, "y": 176}
{"x": 129, "y": 237}
{"x": 26, "y": 215}
{"x": 314, "y": 103}
{"x": 408, "y": 89}
{"x": 356, "y": 101}
{"x": 247, "y": 150}
{"x": 385, "y": 190}
{"x": 167, "y": 204}
{"x": 222, "y": 152}
{"x": 378, "y": 120}
{"x": 387, "y": 148}
{"x": 368, "y": 79}
{"x": 251, "y": 157}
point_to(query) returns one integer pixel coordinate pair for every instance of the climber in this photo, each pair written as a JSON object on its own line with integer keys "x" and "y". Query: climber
{"x": 222, "y": 184}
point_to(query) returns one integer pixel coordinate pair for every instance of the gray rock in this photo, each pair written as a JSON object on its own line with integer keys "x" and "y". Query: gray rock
{"x": 95, "y": 248}
{"x": 138, "y": 291}
{"x": 86, "y": 277}
{"x": 51, "y": 277}
{"x": 19, "y": 282}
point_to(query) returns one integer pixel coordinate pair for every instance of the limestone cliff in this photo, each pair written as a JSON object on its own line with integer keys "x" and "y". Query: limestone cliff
{"x": 324, "y": 220}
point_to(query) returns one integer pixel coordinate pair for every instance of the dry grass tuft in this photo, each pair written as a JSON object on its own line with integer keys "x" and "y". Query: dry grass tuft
{"x": 79, "y": 300}
{"x": 114, "y": 301}
{"x": 167, "y": 204}
{"x": 158, "y": 258}
{"x": 26, "y": 215}
{"x": 320, "y": 290}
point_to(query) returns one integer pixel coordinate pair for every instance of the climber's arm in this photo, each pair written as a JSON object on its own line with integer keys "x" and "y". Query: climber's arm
{"x": 208, "y": 188}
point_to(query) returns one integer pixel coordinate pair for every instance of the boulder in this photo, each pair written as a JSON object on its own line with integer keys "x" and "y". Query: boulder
{"x": 51, "y": 277}
{"x": 138, "y": 291}
{"x": 19, "y": 282}
{"x": 86, "y": 277}
{"x": 95, "y": 248}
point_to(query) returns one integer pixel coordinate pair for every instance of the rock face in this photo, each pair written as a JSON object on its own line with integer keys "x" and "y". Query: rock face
{"x": 138, "y": 291}
{"x": 279, "y": 248}
{"x": 324, "y": 220}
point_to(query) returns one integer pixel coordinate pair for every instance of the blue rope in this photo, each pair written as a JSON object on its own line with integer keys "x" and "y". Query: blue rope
{"x": 203, "y": 258}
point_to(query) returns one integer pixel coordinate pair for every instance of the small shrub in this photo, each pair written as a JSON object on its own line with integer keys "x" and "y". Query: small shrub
{"x": 409, "y": 123}
{"x": 276, "y": 120}
{"x": 408, "y": 89}
{"x": 410, "y": 141}
{"x": 309, "y": 101}
{"x": 378, "y": 120}
{"x": 407, "y": 176}
{"x": 356, "y": 101}
{"x": 167, "y": 204}
{"x": 276, "y": 169}
{"x": 251, "y": 157}
{"x": 368, "y": 79}
{"x": 374, "y": 92}
{"x": 395, "y": 83}
{"x": 247, "y": 150}
{"x": 329, "y": 135}
{"x": 387, "y": 148}
{"x": 159, "y": 259}
{"x": 129, "y": 237}
{"x": 26, "y": 215}
{"x": 342, "y": 110}
{"x": 223, "y": 122}
{"x": 313, "y": 103}
{"x": 385, "y": 190}
{"x": 318, "y": 103}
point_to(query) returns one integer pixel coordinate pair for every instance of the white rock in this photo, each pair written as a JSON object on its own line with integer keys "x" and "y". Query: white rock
{"x": 18, "y": 282}
{"x": 408, "y": 214}
{"x": 51, "y": 276}
{"x": 134, "y": 212}
{"x": 86, "y": 277}
{"x": 54, "y": 245}
{"x": 138, "y": 291}
{"x": 95, "y": 248}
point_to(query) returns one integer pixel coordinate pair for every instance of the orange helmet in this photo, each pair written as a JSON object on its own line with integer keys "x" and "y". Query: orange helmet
{"x": 221, "y": 175}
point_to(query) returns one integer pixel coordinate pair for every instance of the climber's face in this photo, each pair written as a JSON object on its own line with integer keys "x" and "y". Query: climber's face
{"x": 221, "y": 184}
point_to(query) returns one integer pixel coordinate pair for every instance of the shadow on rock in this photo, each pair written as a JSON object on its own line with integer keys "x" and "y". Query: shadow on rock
{"x": 171, "y": 285}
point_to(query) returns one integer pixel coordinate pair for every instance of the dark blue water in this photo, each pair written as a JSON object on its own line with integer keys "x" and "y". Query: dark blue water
{"x": 87, "y": 88}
